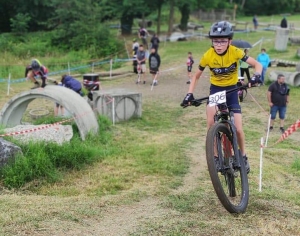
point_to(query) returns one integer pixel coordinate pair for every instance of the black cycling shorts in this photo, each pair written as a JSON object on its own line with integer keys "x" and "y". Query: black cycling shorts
{"x": 232, "y": 99}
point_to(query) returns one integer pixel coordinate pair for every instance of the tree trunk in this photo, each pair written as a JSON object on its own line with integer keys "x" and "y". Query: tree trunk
{"x": 158, "y": 19}
{"x": 172, "y": 3}
{"x": 143, "y": 20}
{"x": 185, "y": 15}
{"x": 243, "y": 4}
{"x": 126, "y": 24}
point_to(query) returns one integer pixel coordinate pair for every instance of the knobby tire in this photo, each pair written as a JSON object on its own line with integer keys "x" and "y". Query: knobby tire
{"x": 234, "y": 193}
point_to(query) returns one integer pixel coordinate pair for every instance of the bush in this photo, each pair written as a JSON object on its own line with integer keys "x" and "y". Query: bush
{"x": 46, "y": 161}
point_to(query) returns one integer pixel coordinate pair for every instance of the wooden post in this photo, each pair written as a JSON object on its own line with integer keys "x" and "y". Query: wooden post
{"x": 234, "y": 11}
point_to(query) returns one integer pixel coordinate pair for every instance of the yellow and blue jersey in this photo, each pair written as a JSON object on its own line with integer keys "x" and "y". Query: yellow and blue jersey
{"x": 223, "y": 68}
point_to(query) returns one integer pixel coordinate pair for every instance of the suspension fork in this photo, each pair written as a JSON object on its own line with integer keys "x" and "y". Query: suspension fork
{"x": 234, "y": 139}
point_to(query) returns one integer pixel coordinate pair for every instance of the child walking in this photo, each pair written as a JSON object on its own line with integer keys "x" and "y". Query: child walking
{"x": 189, "y": 63}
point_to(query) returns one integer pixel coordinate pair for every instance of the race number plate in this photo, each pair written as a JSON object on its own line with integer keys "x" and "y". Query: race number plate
{"x": 217, "y": 98}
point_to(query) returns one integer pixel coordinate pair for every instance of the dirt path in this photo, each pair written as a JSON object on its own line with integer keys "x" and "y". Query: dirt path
{"x": 127, "y": 219}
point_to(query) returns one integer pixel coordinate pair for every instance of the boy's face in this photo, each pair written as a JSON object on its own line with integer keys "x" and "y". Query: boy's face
{"x": 220, "y": 44}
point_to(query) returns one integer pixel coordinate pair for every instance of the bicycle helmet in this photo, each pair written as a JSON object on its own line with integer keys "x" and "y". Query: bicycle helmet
{"x": 35, "y": 65}
{"x": 221, "y": 29}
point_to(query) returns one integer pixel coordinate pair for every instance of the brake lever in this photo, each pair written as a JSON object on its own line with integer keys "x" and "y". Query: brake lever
{"x": 196, "y": 103}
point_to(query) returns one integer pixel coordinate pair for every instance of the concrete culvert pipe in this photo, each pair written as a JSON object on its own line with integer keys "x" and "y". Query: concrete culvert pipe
{"x": 294, "y": 79}
{"x": 291, "y": 78}
{"x": 12, "y": 112}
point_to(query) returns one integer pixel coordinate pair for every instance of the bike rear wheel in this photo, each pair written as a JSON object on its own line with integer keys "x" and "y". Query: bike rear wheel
{"x": 229, "y": 179}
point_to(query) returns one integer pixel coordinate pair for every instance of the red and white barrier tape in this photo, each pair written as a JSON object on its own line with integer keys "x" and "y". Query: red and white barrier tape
{"x": 289, "y": 131}
{"x": 35, "y": 129}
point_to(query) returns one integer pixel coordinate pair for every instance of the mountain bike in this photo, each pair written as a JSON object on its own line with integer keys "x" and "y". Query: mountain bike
{"x": 241, "y": 92}
{"x": 224, "y": 159}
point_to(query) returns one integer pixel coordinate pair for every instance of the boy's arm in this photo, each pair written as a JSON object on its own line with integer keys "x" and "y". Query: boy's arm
{"x": 27, "y": 69}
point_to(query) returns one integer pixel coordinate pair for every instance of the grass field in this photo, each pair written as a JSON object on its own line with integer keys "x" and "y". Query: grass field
{"x": 152, "y": 178}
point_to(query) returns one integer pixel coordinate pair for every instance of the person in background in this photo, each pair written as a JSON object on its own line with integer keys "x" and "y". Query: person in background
{"x": 71, "y": 83}
{"x": 154, "y": 64}
{"x": 283, "y": 23}
{"x": 135, "y": 48}
{"x": 141, "y": 61}
{"x": 155, "y": 42}
{"x": 278, "y": 98}
{"x": 244, "y": 67}
{"x": 58, "y": 107}
{"x": 143, "y": 33}
{"x": 264, "y": 59}
{"x": 34, "y": 70}
{"x": 255, "y": 22}
{"x": 189, "y": 63}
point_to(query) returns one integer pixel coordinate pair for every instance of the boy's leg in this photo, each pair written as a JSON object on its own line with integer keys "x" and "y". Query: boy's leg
{"x": 143, "y": 73}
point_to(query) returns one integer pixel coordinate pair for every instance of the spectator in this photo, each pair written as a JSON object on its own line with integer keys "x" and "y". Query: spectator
{"x": 255, "y": 22}
{"x": 71, "y": 83}
{"x": 58, "y": 107}
{"x": 189, "y": 63}
{"x": 141, "y": 61}
{"x": 278, "y": 98}
{"x": 244, "y": 67}
{"x": 154, "y": 63}
{"x": 135, "y": 48}
{"x": 283, "y": 23}
{"x": 155, "y": 42}
{"x": 264, "y": 59}
{"x": 36, "y": 69}
{"x": 143, "y": 33}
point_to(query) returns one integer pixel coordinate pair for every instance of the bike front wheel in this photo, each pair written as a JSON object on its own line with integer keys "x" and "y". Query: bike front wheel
{"x": 227, "y": 169}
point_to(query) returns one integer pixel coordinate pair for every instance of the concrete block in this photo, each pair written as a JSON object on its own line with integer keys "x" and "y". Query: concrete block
{"x": 281, "y": 39}
{"x": 118, "y": 104}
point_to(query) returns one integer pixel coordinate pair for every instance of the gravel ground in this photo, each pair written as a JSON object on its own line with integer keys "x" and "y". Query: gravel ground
{"x": 57, "y": 133}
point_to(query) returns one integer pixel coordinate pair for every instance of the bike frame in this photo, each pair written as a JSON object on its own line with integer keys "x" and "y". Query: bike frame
{"x": 225, "y": 146}
{"x": 227, "y": 117}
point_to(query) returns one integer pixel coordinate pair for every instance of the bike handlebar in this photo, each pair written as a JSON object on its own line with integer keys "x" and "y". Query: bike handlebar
{"x": 199, "y": 101}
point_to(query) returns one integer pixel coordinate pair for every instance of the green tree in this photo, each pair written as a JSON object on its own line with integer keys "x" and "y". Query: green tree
{"x": 125, "y": 11}
{"x": 171, "y": 16}
{"x": 19, "y": 24}
{"x": 6, "y": 13}
{"x": 185, "y": 15}
{"x": 78, "y": 26}
{"x": 270, "y": 7}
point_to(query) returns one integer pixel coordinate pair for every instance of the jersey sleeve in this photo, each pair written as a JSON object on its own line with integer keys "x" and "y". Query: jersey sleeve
{"x": 241, "y": 55}
{"x": 203, "y": 62}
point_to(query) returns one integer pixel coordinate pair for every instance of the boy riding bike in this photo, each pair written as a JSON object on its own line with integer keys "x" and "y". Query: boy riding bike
{"x": 223, "y": 59}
